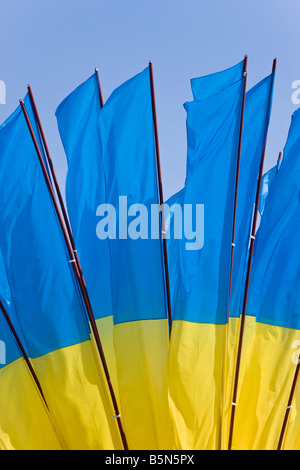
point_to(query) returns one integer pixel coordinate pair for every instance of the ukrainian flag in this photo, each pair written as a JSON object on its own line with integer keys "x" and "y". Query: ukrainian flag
{"x": 197, "y": 350}
{"x": 25, "y": 423}
{"x": 256, "y": 123}
{"x": 48, "y": 305}
{"x": 138, "y": 285}
{"x": 77, "y": 118}
{"x": 271, "y": 351}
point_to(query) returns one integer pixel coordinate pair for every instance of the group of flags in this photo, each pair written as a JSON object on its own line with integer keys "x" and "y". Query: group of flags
{"x": 138, "y": 343}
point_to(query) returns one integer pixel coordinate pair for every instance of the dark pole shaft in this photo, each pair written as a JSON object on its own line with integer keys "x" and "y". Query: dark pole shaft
{"x": 289, "y": 405}
{"x": 100, "y": 89}
{"x": 237, "y": 177}
{"x": 243, "y": 318}
{"x": 23, "y": 352}
{"x": 79, "y": 278}
{"x": 161, "y": 197}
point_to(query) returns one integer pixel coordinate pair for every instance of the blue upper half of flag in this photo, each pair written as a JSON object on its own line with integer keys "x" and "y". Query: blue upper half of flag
{"x": 77, "y": 118}
{"x": 213, "y": 127}
{"x": 267, "y": 181}
{"x": 209, "y": 85}
{"x": 258, "y": 107}
{"x": 128, "y": 151}
{"x": 45, "y": 294}
{"x": 275, "y": 276}
{"x": 173, "y": 205}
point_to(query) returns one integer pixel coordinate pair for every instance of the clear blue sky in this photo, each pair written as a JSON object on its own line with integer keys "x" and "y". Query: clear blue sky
{"x": 55, "y": 45}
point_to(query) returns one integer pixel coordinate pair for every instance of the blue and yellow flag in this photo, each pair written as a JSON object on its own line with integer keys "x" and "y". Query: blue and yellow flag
{"x": 77, "y": 118}
{"x": 196, "y": 361}
{"x": 25, "y": 423}
{"x": 270, "y": 356}
{"x": 137, "y": 272}
{"x": 256, "y": 123}
{"x": 47, "y": 301}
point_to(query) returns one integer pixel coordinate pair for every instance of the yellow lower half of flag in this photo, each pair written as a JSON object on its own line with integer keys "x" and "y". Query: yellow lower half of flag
{"x": 76, "y": 393}
{"x": 268, "y": 365}
{"x": 196, "y": 373}
{"x": 24, "y": 421}
{"x": 141, "y": 349}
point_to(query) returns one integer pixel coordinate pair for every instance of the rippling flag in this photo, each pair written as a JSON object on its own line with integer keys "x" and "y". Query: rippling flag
{"x": 47, "y": 301}
{"x": 137, "y": 272}
{"x": 25, "y": 423}
{"x": 256, "y": 123}
{"x": 208, "y": 85}
{"x": 77, "y": 117}
{"x": 196, "y": 361}
{"x": 270, "y": 358}
{"x": 266, "y": 184}
{"x": 173, "y": 232}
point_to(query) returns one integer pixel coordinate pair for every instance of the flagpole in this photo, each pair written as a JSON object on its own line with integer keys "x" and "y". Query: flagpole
{"x": 161, "y": 197}
{"x": 99, "y": 86}
{"x": 289, "y": 405}
{"x": 78, "y": 273}
{"x": 23, "y": 352}
{"x": 237, "y": 177}
{"x": 243, "y": 317}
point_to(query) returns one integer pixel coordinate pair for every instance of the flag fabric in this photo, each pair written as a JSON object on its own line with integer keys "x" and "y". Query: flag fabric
{"x": 25, "y": 423}
{"x": 208, "y": 85}
{"x": 24, "y": 420}
{"x": 77, "y": 118}
{"x": 258, "y": 105}
{"x": 174, "y": 229}
{"x": 174, "y": 387}
{"x": 46, "y": 297}
{"x": 137, "y": 272}
{"x": 270, "y": 358}
{"x": 36, "y": 130}
{"x": 196, "y": 359}
{"x": 256, "y": 123}
{"x": 266, "y": 184}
